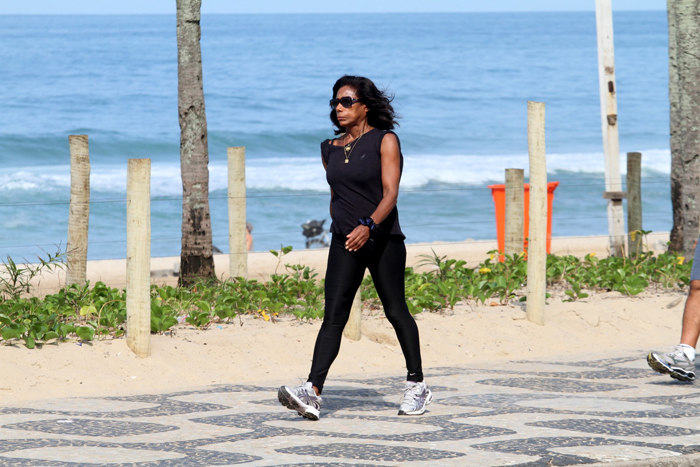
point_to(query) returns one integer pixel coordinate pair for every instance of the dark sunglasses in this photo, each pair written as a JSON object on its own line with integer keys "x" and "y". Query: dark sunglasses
{"x": 346, "y": 102}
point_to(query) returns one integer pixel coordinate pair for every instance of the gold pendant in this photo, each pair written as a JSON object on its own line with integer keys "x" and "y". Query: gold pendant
{"x": 347, "y": 160}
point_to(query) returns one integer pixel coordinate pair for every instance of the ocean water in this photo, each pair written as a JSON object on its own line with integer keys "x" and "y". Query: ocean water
{"x": 461, "y": 84}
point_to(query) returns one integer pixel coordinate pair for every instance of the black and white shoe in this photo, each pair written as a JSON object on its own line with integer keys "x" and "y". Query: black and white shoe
{"x": 416, "y": 397}
{"x": 675, "y": 363}
{"x": 301, "y": 398}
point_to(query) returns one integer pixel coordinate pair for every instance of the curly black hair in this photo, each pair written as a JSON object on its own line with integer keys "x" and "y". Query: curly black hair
{"x": 381, "y": 114}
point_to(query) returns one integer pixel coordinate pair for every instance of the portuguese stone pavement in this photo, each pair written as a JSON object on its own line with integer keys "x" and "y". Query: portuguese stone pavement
{"x": 526, "y": 414}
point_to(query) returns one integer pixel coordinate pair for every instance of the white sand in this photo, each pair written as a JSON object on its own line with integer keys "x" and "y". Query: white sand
{"x": 251, "y": 350}
{"x": 261, "y": 264}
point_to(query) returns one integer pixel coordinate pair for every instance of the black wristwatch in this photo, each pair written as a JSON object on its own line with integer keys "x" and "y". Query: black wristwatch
{"x": 368, "y": 222}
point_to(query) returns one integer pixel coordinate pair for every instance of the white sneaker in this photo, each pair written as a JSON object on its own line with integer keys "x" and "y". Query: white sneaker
{"x": 416, "y": 396}
{"x": 675, "y": 364}
{"x": 301, "y": 398}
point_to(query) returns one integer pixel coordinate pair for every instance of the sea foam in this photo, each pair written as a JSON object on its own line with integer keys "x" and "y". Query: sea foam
{"x": 307, "y": 174}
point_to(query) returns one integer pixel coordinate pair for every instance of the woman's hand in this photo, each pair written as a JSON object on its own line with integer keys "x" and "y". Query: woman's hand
{"x": 357, "y": 238}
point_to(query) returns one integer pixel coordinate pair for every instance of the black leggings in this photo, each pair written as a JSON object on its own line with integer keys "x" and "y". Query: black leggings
{"x": 386, "y": 260}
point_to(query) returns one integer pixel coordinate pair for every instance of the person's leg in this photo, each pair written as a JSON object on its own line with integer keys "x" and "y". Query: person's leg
{"x": 344, "y": 274}
{"x": 387, "y": 266}
{"x": 691, "y": 315}
{"x": 679, "y": 363}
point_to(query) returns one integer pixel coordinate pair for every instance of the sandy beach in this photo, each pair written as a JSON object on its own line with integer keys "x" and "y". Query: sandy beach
{"x": 251, "y": 350}
{"x": 255, "y": 351}
{"x": 261, "y": 264}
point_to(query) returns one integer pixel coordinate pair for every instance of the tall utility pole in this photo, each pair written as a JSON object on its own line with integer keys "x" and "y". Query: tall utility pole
{"x": 611, "y": 140}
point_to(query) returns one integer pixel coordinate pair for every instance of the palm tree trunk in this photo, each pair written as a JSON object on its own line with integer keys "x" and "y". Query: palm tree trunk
{"x": 684, "y": 90}
{"x": 676, "y": 240}
{"x": 196, "y": 260}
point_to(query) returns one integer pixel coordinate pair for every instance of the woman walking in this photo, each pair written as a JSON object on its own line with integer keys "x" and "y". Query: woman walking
{"x": 363, "y": 168}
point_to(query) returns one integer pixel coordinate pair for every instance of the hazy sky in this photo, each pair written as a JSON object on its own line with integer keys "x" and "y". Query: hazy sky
{"x": 312, "y": 6}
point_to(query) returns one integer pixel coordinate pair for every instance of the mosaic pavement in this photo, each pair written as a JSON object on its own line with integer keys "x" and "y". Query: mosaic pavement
{"x": 525, "y": 414}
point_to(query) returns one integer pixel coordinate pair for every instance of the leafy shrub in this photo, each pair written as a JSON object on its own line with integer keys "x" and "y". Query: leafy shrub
{"x": 88, "y": 312}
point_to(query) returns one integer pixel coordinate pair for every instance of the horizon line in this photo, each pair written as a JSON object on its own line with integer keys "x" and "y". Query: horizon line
{"x": 332, "y": 13}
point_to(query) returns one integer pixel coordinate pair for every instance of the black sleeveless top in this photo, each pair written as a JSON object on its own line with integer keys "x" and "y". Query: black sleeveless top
{"x": 357, "y": 185}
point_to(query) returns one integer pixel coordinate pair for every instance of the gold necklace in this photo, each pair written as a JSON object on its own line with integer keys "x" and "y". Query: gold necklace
{"x": 350, "y": 146}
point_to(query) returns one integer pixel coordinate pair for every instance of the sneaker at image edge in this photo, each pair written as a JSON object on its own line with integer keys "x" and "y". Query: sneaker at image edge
{"x": 301, "y": 398}
{"x": 416, "y": 397}
{"x": 675, "y": 364}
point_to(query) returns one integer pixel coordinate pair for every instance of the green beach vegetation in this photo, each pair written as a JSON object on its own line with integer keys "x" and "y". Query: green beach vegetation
{"x": 97, "y": 311}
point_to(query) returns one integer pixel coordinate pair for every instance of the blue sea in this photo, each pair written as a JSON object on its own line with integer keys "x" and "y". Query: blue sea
{"x": 461, "y": 84}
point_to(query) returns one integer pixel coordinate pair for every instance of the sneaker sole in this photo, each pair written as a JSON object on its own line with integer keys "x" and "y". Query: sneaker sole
{"x": 665, "y": 369}
{"x": 421, "y": 410}
{"x": 292, "y": 402}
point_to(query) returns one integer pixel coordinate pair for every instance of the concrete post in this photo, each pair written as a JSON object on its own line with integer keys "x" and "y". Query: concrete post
{"x": 611, "y": 140}
{"x": 138, "y": 257}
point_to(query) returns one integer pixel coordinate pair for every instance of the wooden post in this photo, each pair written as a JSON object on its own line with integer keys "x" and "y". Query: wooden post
{"x": 79, "y": 210}
{"x": 238, "y": 253}
{"x": 608, "y": 111}
{"x": 515, "y": 209}
{"x": 353, "y": 328}
{"x": 537, "y": 235}
{"x": 634, "y": 202}
{"x": 138, "y": 256}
